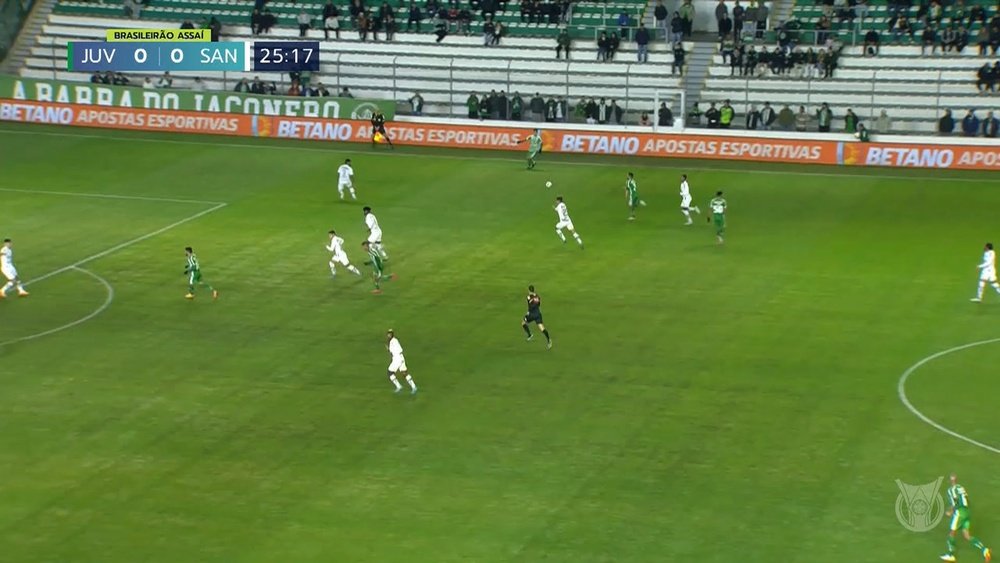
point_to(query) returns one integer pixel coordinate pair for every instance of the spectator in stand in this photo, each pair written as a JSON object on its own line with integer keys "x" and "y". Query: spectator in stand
{"x": 363, "y": 26}
{"x": 390, "y": 26}
{"x": 165, "y": 81}
{"x": 563, "y": 42}
{"x": 991, "y": 125}
{"x": 935, "y": 13}
{"x": 295, "y": 89}
{"x": 767, "y": 116}
{"x": 850, "y": 122}
{"x": 862, "y": 133}
{"x": 822, "y": 30}
{"x": 623, "y": 22}
{"x": 901, "y": 28}
{"x": 189, "y": 25}
{"x": 726, "y": 115}
{"x": 255, "y": 22}
{"x": 242, "y": 87}
{"x": 498, "y": 33}
{"x": 660, "y": 14}
{"x": 749, "y": 62}
{"x": 802, "y": 120}
{"x": 642, "y": 43}
{"x": 832, "y": 58}
{"x": 721, "y": 10}
{"x": 614, "y": 42}
{"x": 602, "y": 47}
{"x": 345, "y": 93}
{"x": 694, "y": 116}
{"x": 883, "y": 124}
{"x": 739, "y": 17}
{"x": 257, "y": 87}
{"x": 590, "y": 111}
{"x": 199, "y": 85}
{"x": 502, "y": 105}
{"x": 725, "y": 27}
{"x": 603, "y": 112}
{"x": 946, "y": 125}
{"x": 871, "y": 43}
{"x": 565, "y": 9}
{"x": 267, "y": 21}
{"x": 736, "y": 61}
{"x": 861, "y": 10}
{"x": 147, "y": 84}
{"x": 983, "y": 40}
{"x": 970, "y": 124}
{"x": 472, "y": 105}
{"x": 416, "y": 104}
{"x": 537, "y": 106}
{"x": 948, "y": 38}
{"x": 824, "y": 117}
{"x": 957, "y": 12}
{"x": 763, "y": 13}
{"x": 786, "y": 118}
{"x": 928, "y": 39}
{"x": 331, "y": 21}
{"x": 484, "y": 107}
{"x": 678, "y": 63}
{"x": 664, "y": 117}
{"x": 464, "y": 21}
{"x": 687, "y": 18}
{"x": 440, "y": 29}
{"x": 749, "y": 27}
{"x": 488, "y": 31}
{"x": 562, "y": 110}
{"x": 414, "y": 18}
{"x": 676, "y": 28}
{"x": 303, "y": 20}
{"x": 617, "y": 112}
{"x": 644, "y": 120}
{"x": 712, "y": 116}
{"x": 321, "y": 90}
{"x": 726, "y": 49}
{"x": 962, "y": 39}
{"x": 753, "y": 118}
{"x": 215, "y": 28}
{"x": 984, "y": 79}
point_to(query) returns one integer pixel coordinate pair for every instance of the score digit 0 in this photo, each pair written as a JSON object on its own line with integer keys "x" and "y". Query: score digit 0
{"x": 176, "y": 55}
{"x": 140, "y": 55}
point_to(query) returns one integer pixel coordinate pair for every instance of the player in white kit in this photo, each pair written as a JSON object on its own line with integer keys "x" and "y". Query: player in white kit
{"x": 345, "y": 179}
{"x": 336, "y": 246}
{"x": 374, "y": 233}
{"x": 9, "y": 271}
{"x": 686, "y": 200}
{"x": 987, "y": 272}
{"x": 398, "y": 363}
{"x": 565, "y": 222}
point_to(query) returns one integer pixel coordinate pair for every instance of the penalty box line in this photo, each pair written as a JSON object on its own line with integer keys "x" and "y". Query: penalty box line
{"x": 215, "y": 206}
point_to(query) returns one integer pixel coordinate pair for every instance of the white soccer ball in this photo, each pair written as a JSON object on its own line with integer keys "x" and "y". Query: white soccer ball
{"x": 548, "y": 184}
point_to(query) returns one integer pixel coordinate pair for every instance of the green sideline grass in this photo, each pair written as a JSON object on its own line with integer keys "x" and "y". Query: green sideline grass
{"x": 701, "y": 403}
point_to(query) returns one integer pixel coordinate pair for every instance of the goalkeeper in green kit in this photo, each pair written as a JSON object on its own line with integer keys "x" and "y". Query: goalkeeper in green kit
{"x": 378, "y": 267}
{"x": 959, "y": 519}
{"x": 534, "y": 147}
{"x": 193, "y": 271}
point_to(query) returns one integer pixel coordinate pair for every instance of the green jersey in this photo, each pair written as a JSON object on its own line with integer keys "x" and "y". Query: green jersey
{"x": 958, "y": 497}
{"x": 192, "y": 264}
{"x": 633, "y": 190}
{"x": 718, "y": 205}
{"x": 534, "y": 143}
{"x": 375, "y": 260}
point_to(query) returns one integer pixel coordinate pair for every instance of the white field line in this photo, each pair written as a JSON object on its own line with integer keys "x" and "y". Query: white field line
{"x": 475, "y": 158}
{"x": 127, "y": 243}
{"x": 107, "y": 303}
{"x": 901, "y": 389}
{"x": 76, "y": 265}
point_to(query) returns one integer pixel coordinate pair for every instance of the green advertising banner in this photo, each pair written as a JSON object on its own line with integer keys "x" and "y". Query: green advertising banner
{"x": 61, "y": 91}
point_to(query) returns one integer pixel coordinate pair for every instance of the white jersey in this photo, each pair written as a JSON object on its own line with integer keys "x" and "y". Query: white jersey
{"x": 988, "y": 268}
{"x": 345, "y": 172}
{"x": 336, "y": 245}
{"x": 395, "y": 348}
{"x": 685, "y": 190}
{"x": 6, "y": 257}
{"x": 563, "y": 213}
{"x": 373, "y": 228}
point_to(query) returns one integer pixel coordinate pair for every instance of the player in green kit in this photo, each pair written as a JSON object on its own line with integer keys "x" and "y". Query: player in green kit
{"x": 377, "y": 263}
{"x": 632, "y": 196}
{"x": 193, "y": 271}
{"x": 959, "y": 519}
{"x": 534, "y": 147}
{"x": 718, "y": 205}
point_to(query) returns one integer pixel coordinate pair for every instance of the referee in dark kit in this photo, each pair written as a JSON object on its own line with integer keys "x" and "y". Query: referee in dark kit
{"x": 378, "y": 128}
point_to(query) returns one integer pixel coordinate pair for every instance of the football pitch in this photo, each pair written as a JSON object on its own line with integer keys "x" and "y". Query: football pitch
{"x": 703, "y": 403}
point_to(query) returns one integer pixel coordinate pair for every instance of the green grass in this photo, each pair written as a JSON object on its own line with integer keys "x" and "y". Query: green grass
{"x": 702, "y": 403}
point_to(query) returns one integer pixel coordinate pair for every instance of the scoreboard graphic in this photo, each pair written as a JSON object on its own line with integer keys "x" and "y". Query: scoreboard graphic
{"x": 166, "y": 50}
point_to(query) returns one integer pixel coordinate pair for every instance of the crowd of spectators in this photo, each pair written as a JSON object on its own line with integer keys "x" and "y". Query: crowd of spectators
{"x": 970, "y": 125}
{"x": 552, "y": 109}
{"x": 767, "y": 118}
{"x": 790, "y": 60}
{"x": 988, "y": 78}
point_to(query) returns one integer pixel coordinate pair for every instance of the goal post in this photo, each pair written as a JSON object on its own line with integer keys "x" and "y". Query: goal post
{"x": 676, "y": 100}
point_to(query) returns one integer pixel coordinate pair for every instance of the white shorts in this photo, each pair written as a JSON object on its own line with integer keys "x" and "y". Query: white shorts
{"x": 375, "y": 237}
{"x": 686, "y": 201}
{"x": 342, "y": 185}
{"x": 988, "y": 275}
{"x": 340, "y": 259}
{"x": 565, "y": 225}
{"x": 9, "y": 272}
{"x": 397, "y": 364}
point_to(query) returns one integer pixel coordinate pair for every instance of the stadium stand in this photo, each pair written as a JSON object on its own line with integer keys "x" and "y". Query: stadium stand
{"x": 443, "y": 73}
{"x": 913, "y": 88}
